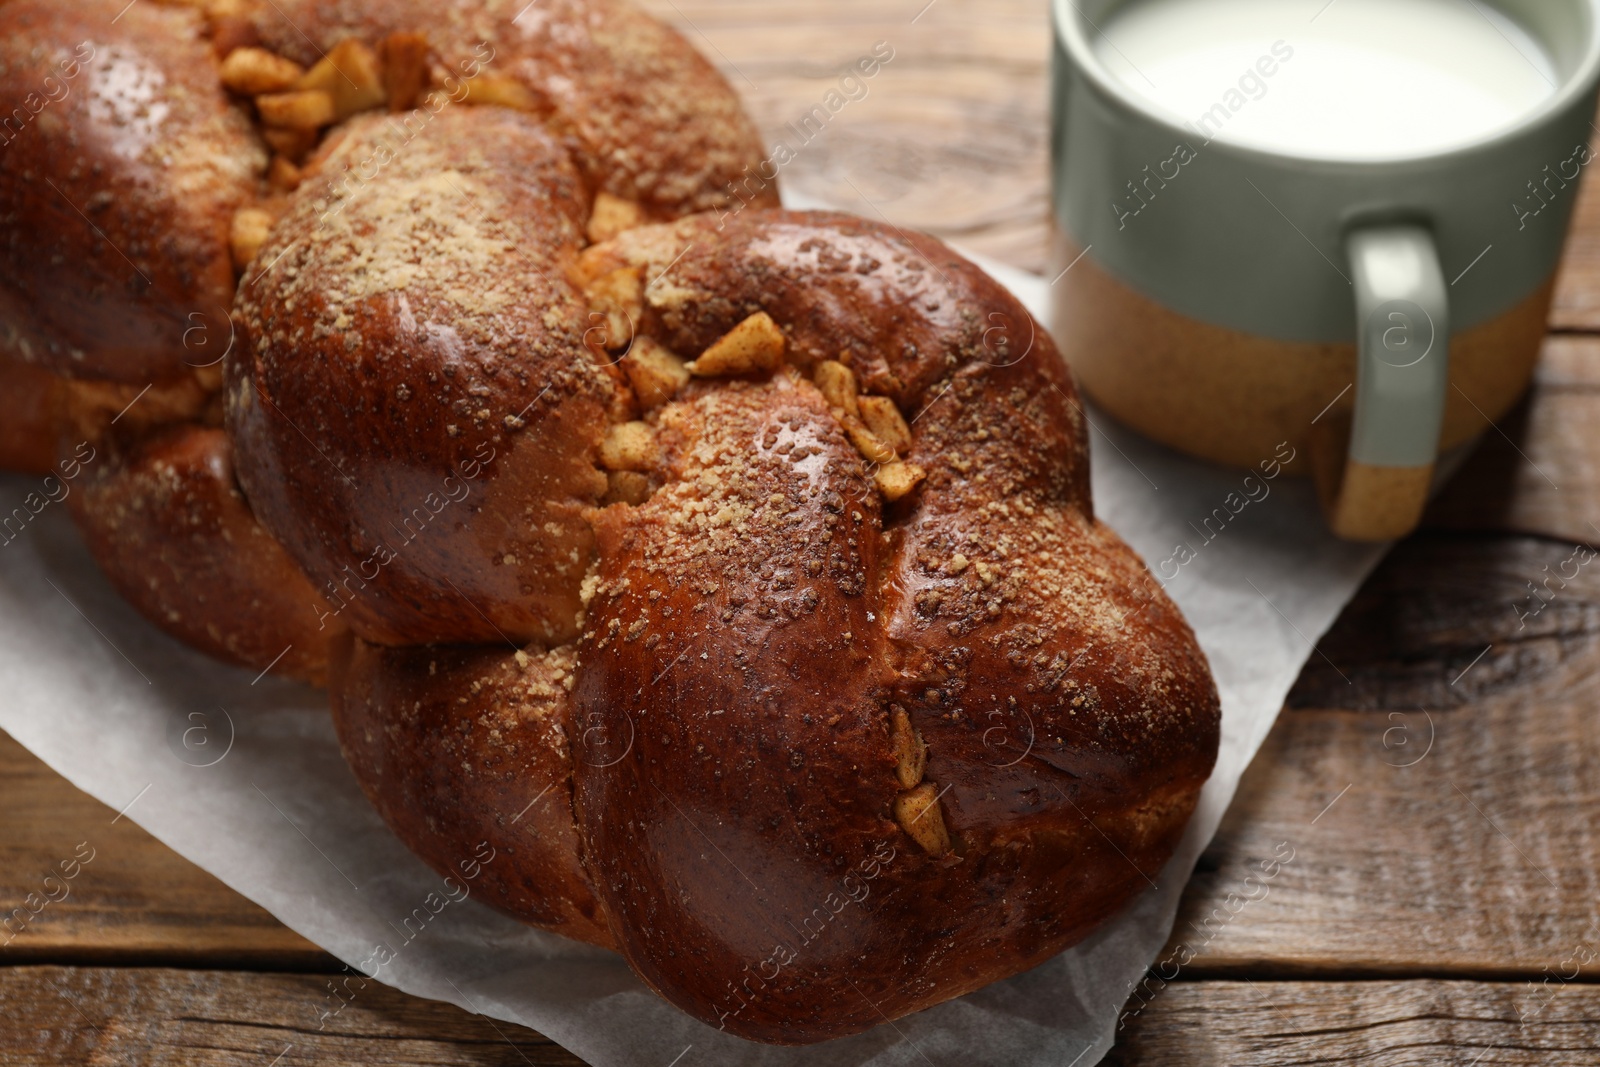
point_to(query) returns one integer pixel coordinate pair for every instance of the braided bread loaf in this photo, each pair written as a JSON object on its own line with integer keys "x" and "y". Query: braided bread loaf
{"x": 149, "y": 152}
{"x": 736, "y": 578}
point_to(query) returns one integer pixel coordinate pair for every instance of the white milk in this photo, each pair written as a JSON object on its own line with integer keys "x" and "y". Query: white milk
{"x": 1354, "y": 79}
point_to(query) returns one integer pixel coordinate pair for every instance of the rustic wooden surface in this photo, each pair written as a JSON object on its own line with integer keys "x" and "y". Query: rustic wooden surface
{"x": 135, "y": 902}
{"x": 1438, "y": 790}
{"x": 1376, "y": 1024}
{"x": 99, "y": 1016}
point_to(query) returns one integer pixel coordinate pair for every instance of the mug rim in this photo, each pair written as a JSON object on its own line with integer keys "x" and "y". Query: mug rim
{"x": 1069, "y": 34}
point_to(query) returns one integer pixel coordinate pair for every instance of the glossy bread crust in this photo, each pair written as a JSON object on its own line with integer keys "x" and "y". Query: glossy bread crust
{"x": 428, "y": 311}
{"x": 1068, "y": 716}
{"x": 32, "y": 409}
{"x": 463, "y": 747}
{"x": 165, "y": 519}
{"x": 125, "y": 171}
{"x": 764, "y": 636}
{"x": 122, "y": 164}
{"x": 643, "y": 115}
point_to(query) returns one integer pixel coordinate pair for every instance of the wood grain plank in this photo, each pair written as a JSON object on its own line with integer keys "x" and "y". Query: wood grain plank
{"x": 1374, "y": 1024}
{"x": 227, "y": 1019}
{"x": 1577, "y": 300}
{"x": 1452, "y": 827}
{"x": 1539, "y": 471}
{"x": 1451, "y": 620}
{"x": 133, "y": 900}
{"x": 103, "y": 1017}
{"x": 951, "y": 137}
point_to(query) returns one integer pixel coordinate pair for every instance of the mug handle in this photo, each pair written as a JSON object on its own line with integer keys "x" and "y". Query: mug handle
{"x": 1375, "y": 488}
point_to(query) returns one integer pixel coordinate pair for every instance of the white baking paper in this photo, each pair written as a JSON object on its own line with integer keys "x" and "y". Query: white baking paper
{"x": 244, "y": 778}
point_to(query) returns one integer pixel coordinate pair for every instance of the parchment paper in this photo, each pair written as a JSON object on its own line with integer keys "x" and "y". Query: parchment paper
{"x": 244, "y": 778}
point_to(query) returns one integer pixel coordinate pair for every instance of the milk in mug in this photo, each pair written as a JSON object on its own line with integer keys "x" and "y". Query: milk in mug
{"x": 1350, "y": 79}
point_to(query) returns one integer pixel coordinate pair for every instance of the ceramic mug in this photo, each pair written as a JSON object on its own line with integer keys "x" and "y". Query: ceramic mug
{"x": 1354, "y": 255}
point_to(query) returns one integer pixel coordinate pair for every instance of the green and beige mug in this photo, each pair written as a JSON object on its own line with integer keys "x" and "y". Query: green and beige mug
{"x": 1332, "y": 223}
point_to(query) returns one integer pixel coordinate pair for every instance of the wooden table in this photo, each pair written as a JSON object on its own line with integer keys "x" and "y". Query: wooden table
{"x": 1442, "y": 805}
